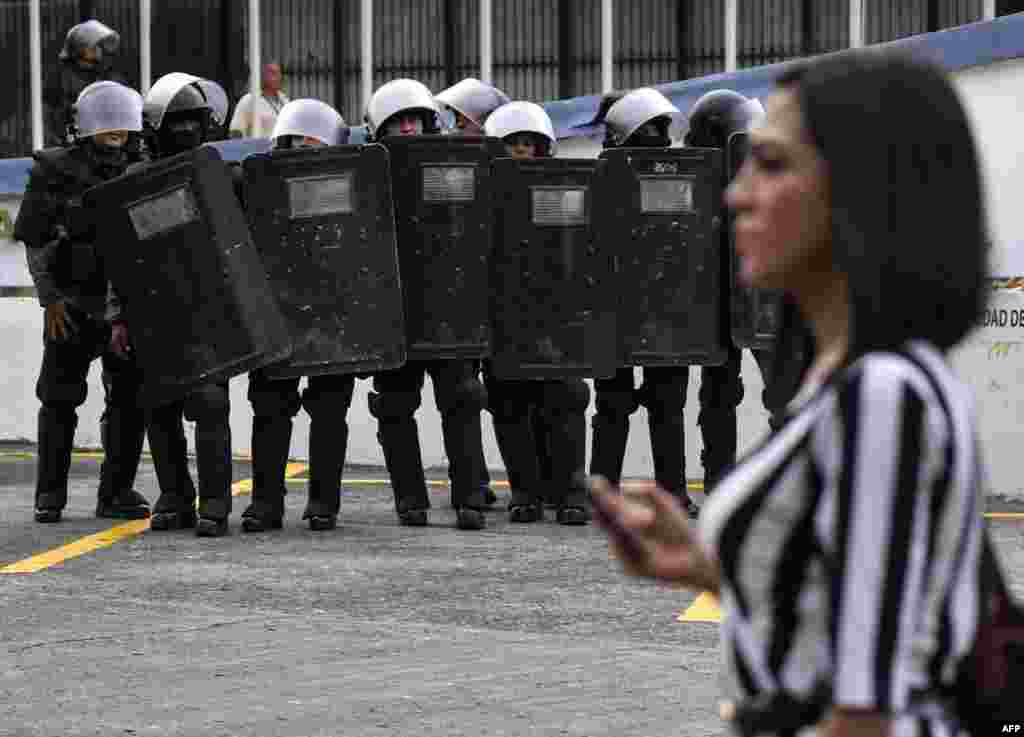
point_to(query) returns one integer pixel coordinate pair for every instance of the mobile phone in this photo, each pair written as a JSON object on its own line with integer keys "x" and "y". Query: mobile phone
{"x": 628, "y": 540}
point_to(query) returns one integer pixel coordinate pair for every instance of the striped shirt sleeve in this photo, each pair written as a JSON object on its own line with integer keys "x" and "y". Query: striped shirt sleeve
{"x": 891, "y": 437}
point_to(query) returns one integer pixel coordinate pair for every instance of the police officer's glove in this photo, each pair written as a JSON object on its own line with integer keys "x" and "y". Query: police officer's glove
{"x": 120, "y": 344}
{"x": 59, "y": 324}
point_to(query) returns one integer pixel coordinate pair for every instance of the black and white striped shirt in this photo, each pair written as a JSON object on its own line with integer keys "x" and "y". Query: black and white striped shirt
{"x": 849, "y": 543}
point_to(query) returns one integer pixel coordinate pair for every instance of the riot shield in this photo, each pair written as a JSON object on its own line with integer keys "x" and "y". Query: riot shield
{"x": 443, "y": 214}
{"x": 660, "y": 214}
{"x": 323, "y": 223}
{"x": 755, "y": 313}
{"x": 552, "y": 307}
{"x": 177, "y": 250}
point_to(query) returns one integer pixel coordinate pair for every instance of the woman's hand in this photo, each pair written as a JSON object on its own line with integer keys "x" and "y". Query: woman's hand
{"x": 668, "y": 548}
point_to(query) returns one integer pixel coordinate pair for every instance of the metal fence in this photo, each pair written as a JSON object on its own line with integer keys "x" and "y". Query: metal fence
{"x": 542, "y": 49}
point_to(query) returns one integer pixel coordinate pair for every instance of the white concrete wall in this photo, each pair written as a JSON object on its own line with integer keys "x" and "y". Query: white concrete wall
{"x": 992, "y": 360}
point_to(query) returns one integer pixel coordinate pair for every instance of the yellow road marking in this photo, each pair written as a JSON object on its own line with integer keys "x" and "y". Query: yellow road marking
{"x": 106, "y": 538}
{"x": 703, "y": 609}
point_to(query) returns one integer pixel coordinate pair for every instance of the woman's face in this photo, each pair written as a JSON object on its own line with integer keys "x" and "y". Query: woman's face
{"x": 521, "y": 146}
{"x": 780, "y": 198}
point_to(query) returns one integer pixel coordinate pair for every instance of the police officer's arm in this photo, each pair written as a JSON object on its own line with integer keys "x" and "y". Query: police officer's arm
{"x": 56, "y": 112}
{"x": 39, "y": 226}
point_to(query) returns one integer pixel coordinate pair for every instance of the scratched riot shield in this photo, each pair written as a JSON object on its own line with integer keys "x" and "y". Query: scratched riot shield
{"x": 552, "y": 307}
{"x": 444, "y": 218}
{"x": 660, "y": 215}
{"x": 179, "y": 254}
{"x": 755, "y": 313}
{"x": 323, "y": 222}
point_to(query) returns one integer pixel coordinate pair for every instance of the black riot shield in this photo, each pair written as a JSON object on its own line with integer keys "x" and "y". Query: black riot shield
{"x": 552, "y": 312}
{"x": 755, "y": 313}
{"x": 323, "y": 222}
{"x": 660, "y": 214}
{"x": 443, "y": 213}
{"x": 178, "y": 252}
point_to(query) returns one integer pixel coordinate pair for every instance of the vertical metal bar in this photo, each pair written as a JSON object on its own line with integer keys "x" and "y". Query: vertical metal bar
{"x": 856, "y": 24}
{"x": 731, "y": 35}
{"x": 932, "y": 16}
{"x": 566, "y": 55}
{"x": 807, "y": 41}
{"x": 255, "y": 62}
{"x": 682, "y": 68}
{"x": 450, "y": 30}
{"x": 607, "y": 47}
{"x": 35, "y": 50}
{"x": 989, "y": 10}
{"x": 145, "y": 45}
{"x": 486, "y": 45}
{"x": 85, "y": 10}
{"x": 338, "y": 60}
{"x": 366, "y": 49}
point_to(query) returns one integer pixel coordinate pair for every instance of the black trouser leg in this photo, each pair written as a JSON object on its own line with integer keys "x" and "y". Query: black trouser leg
{"x": 123, "y": 428}
{"x": 721, "y": 391}
{"x": 563, "y": 405}
{"x": 664, "y": 395}
{"x": 208, "y": 407}
{"x": 170, "y": 459}
{"x": 460, "y": 398}
{"x": 511, "y": 403}
{"x": 56, "y": 439}
{"x": 274, "y": 404}
{"x": 327, "y": 399}
{"x": 616, "y": 401}
{"x": 394, "y": 401}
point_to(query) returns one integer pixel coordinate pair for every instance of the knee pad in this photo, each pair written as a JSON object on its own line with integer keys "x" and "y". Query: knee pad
{"x": 328, "y": 395}
{"x": 275, "y": 399}
{"x": 208, "y": 402}
{"x": 467, "y": 395}
{"x": 393, "y": 406}
{"x": 616, "y": 403}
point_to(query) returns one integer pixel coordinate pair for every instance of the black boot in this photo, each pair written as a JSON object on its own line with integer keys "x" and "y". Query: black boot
{"x": 567, "y": 439}
{"x": 575, "y": 507}
{"x": 667, "y": 446}
{"x": 123, "y": 430}
{"x": 213, "y": 459}
{"x": 56, "y": 437}
{"x": 516, "y": 443}
{"x": 718, "y": 433}
{"x": 271, "y": 439}
{"x": 610, "y": 433}
{"x": 328, "y": 443}
{"x": 400, "y": 442}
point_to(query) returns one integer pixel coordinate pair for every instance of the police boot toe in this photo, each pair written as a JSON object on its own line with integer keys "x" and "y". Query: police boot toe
{"x": 525, "y": 510}
{"x": 321, "y": 522}
{"x": 413, "y": 518}
{"x": 128, "y": 504}
{"x": 470, "y": 519}
{"x": 209, "y": 527}
{"x": 255, "y": 523}
{"x": 173, "y": 520}
{"x": 48, "y": 516}
{"x": 573, "y": 515}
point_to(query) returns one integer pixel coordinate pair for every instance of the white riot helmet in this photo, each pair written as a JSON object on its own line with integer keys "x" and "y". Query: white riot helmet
{"x": 522, "y": 117}
{"x": 167, "y": 96}
{"x": 107, "y": 106}
{"x": 310, "y": 119}
{"x": 473, "y": 99}
{"x": 636, "y": 108}
{"x": 400, "y": 96}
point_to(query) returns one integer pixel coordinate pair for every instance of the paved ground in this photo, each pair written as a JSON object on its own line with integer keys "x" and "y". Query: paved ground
{"x": 372, "y": 629}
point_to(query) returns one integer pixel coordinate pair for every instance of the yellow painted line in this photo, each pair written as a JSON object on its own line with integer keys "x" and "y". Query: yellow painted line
{"x": 106, "y": 538}
{"x": 84, "y": 545}
{"x": 703, "y": 609}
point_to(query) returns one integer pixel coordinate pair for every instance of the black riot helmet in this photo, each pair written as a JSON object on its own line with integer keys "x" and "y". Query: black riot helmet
{"x": 177, "y": 114}
{"x": 90, "y": 35}
{"x": 719, "y": 114}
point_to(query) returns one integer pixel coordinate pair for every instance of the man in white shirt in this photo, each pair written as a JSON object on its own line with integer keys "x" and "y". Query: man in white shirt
{"x": 255, "y": 118}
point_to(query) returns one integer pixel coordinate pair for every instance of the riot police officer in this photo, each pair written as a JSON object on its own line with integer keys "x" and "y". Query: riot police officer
{"x": 326, "y": 398}
{"x": 641, "y": 118}
{"x": 518, "y": 407}
{"x": 468, "y": 104}
{"x": 178, "y": 117}
{"x": 714, "y": 118}
{"x": 406, "y": 107}
{"x": 87, "y": 56}
{"x": 72, "y": 287}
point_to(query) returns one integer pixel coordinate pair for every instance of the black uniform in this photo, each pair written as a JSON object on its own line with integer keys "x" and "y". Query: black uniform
{"x": 275, "y": 403}
{"x": 208, "y": 405}
{"x": 66, "y": 267}
{"x": 63, "y": 89}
